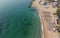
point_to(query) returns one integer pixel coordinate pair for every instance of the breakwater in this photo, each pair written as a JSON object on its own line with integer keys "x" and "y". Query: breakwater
{"x": 31, "y": 3}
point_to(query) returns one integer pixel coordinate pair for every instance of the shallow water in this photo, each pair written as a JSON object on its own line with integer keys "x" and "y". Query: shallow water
{"x": 18, "y": 21}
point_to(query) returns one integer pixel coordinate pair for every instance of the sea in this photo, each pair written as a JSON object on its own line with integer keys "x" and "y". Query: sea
{"x": 17, "y": 20}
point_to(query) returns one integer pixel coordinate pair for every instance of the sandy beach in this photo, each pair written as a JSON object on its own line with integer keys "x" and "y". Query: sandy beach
{"x": 46, "y": 24}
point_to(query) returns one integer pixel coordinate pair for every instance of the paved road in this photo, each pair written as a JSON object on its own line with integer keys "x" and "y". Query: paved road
{"x": 46, "y": 22}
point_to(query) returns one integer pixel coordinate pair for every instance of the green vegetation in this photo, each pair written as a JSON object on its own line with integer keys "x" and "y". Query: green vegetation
{"x": 57, "y": 12}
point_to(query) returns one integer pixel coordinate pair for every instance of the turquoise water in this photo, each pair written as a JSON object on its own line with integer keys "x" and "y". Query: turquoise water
{"x": 18, "y": 21}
